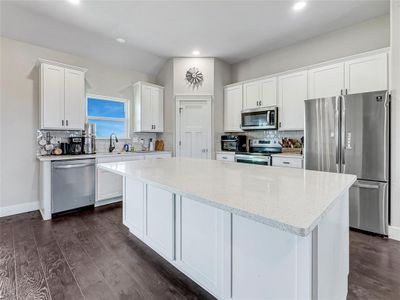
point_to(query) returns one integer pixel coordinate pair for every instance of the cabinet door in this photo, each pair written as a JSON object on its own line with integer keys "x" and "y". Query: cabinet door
{"x": 160, "y": 221}
{"x": 326, "y": 81}
{"x": 225, "y": 157}
{"x": 367, "y": 74}
{"x": 268, "y": 92}
{"x": 233, "y": 104}
{"x": 134, "y": 206}
{"x": 251, "y": 94}
{"x": 74, "y": 99}
{"x": 292, "y": 93}
{"x": 52, "y": 97}
{"x": 157, "y": 109}
{"x": 109, "y": 185}
{"x": 146, "y": 109}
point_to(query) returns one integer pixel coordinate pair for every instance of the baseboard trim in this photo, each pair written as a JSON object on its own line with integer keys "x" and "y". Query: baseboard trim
{"x": 394, "y": 233}
{"x": 18, "y": 209}
{"x": 108, "y": 201}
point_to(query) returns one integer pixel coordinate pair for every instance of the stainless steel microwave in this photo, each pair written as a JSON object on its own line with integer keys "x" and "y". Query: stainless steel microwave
{"x": 260, "y": 118}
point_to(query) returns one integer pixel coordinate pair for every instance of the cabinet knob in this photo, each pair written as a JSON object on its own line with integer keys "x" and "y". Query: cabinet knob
{"x": 62, "y": 122}
{"x": 280, "y": 124}
{"x": 66, "y": 122}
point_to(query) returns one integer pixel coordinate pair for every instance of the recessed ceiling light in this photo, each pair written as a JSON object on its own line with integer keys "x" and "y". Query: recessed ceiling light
{"x": 195, "y": 52}
{"x": 75, "y": 2}
{"x": 299, "y": 5}
{"x": 120, "y": 40}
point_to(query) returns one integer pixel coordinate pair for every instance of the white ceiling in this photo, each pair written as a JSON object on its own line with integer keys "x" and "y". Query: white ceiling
{"x": 155, "y": 30}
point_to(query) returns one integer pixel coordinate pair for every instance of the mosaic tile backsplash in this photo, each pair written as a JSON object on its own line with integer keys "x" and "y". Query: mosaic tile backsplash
{"x": 55, "y": 137}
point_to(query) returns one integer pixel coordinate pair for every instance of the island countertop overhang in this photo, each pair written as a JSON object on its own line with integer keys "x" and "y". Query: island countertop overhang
{"x": 292, "y": 200}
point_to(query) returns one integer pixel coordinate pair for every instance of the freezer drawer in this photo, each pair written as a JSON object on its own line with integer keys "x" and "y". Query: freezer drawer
{"x": 369, "y": 206}
{"x": 72, "y": 184}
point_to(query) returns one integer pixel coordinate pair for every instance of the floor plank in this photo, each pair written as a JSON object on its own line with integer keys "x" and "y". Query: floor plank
{"x": 31, "y": 282}
{"x": 7, "y": 262}
{"x": 88, "y": 276}
{"x": 60, "y": 280}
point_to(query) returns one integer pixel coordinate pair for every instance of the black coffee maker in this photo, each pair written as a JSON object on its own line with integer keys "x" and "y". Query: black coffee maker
{"x": 75, "y": 145}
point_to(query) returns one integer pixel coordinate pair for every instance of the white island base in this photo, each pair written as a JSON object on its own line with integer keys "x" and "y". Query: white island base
{"x": 235, "y": 257}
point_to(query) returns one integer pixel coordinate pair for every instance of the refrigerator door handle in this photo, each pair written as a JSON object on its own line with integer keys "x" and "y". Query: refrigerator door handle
{"x": 343, "y": 135}
{"x": 337, "y": 133}
{"x": 386, "y": 135}
{"x": 366, "y": 186}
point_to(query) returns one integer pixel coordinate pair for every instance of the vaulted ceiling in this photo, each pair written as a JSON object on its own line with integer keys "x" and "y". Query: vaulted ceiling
{"x": 156, "y": 30}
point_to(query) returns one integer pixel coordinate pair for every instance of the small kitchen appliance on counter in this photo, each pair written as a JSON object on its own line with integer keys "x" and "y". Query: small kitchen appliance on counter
{"x": 259, "y": 153}
{"x": 234, "y": 143}
{"x": 75, "y": 145}
{"x": 89, "y": 139}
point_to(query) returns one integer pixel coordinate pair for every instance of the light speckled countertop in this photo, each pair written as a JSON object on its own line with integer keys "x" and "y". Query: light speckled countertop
{"x": 292, "y": 200}
{"x": 97, "y": 155}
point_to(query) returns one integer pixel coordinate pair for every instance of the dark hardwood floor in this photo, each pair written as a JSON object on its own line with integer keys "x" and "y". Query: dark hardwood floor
{"x": 91, "y": 255}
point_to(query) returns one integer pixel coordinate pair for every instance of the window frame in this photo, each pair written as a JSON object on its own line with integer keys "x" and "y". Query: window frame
{"x": 114, "y": 99}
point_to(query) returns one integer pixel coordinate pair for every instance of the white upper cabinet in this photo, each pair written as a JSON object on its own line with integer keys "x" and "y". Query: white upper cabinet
{"x": 62, "y": 96}
{"x": 148, "y": 106}
{"x": 251, "y": 94}
{"x": 233, "y": 98}
{"x": 260, "y": 93}
{"x": 52, "y": 97}
{"x": 326, "y": 81}
{"x": 366, "y": 74}
{"x": 292, "y": 93}
{"x": 74, "y": 99}
{"x": 268, "y": 89}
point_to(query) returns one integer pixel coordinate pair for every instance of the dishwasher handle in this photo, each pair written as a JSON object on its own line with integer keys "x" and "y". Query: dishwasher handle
{"x": 73, "y": 166}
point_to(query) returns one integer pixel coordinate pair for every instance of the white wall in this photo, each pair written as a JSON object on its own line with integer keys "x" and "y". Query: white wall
{"x": 395, "y": 129}
{"x": 20, "y": 112}
{"x": 205, "y": 65}
{"x": 222, "y": 77}
{"x": 366, "y": 36}
{"x": 166, "y": 78}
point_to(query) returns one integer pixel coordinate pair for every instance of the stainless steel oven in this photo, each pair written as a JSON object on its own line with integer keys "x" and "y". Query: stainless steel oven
{"x": 260, "y": 118}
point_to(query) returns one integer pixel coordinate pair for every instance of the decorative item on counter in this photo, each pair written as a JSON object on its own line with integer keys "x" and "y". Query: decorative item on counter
{"x": 126, "y": 148}
{"x": 159, "y": 145}
{"x": 151, "y": 145}
{"x": 57, "y": 151}
{"x": 294, "y": 146}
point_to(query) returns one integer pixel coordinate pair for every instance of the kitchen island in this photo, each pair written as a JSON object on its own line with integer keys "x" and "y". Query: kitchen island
{"x": 243, "y": 231}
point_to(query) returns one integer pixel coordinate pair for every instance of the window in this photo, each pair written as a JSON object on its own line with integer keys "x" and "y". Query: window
{"x": 109, "y": 114}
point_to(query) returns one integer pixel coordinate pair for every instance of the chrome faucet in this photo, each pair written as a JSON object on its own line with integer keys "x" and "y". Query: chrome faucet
{"x": 112, "y": 143}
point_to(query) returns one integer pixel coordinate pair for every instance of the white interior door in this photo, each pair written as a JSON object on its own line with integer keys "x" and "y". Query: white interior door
{"x": 194, "y": 129}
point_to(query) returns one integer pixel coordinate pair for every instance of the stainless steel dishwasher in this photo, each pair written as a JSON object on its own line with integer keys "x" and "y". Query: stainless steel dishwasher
{"x": 72, "y": 184}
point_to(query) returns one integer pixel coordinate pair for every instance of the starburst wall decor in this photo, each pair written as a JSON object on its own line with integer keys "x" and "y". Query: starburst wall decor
{"x": 194, "y": 77}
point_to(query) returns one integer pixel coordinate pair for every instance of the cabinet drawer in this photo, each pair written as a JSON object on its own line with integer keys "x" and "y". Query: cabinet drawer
{"x": 288, "y": 162}
{"x": 226, "y": 157}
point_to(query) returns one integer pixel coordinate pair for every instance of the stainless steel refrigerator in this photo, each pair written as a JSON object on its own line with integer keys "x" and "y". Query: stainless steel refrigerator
{"x": 350, "y": 134}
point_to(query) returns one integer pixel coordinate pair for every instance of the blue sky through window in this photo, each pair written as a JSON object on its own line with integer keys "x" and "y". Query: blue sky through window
{"x": 105, "y": 108}
{"x": 103, "y": 113}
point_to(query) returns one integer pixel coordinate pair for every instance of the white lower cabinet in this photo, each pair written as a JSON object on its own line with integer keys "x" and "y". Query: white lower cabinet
{"x": 288, "y": 162}
{"x": 200, "y": 241}
{"x": 160, "y": 221}
{"x": 133, "y": 206}
{"x": 260, "y": 270}
{"x": 225, "y": 156}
